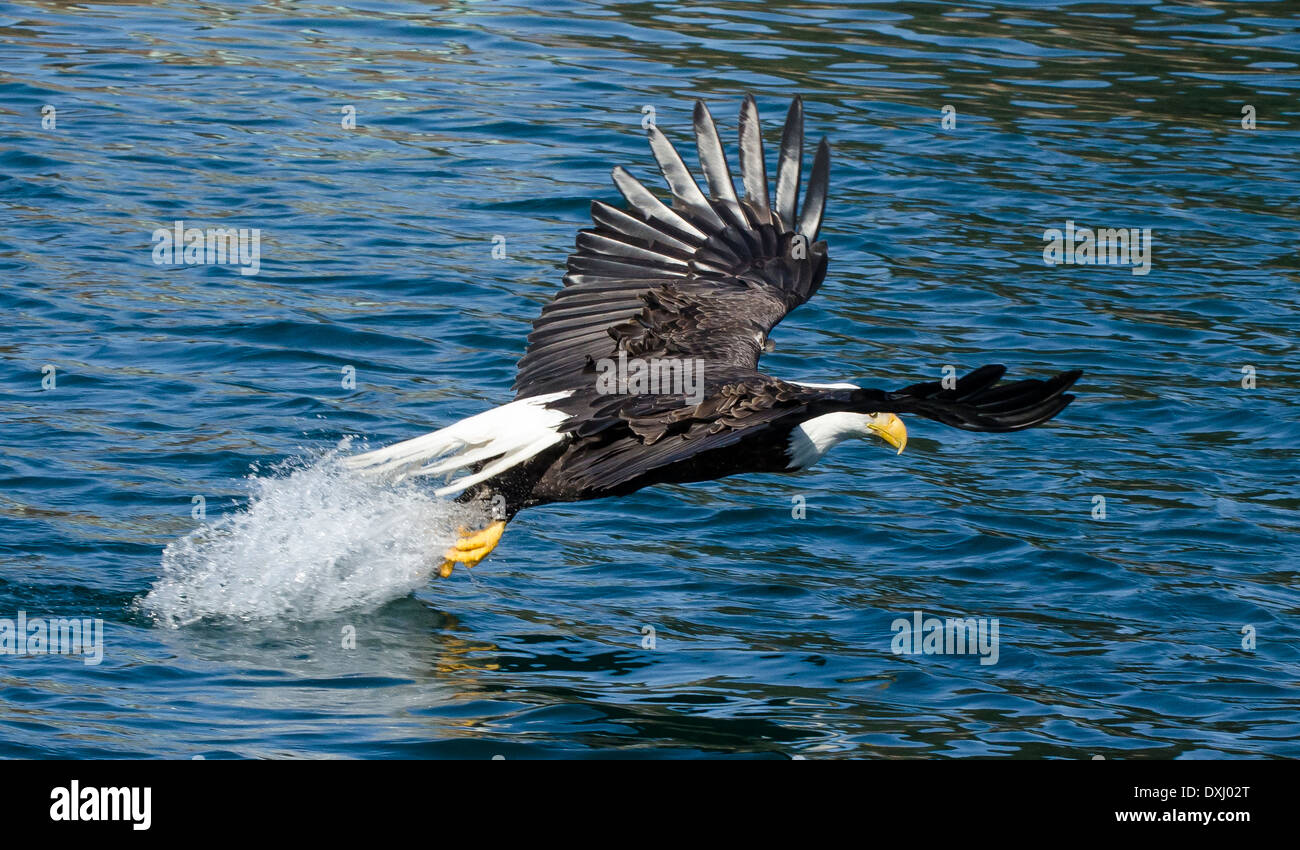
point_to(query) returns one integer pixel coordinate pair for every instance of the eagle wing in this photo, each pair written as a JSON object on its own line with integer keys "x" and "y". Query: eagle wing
{"x": 706, "y": 278}
{"x": 636, "y": 435}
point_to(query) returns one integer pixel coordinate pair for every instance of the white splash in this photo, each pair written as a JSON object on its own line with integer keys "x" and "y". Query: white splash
{"x": 313, "y": 540}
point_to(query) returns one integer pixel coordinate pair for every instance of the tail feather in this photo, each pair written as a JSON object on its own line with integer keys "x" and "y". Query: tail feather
{"x": 499, "y": 438}
{"x": 504, "y": 462}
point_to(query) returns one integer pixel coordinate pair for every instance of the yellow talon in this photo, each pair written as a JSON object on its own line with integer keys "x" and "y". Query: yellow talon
{"x": 472, "y": 547}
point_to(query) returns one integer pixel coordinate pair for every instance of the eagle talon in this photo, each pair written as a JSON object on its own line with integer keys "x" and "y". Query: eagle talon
{"x": 472, "y": 547}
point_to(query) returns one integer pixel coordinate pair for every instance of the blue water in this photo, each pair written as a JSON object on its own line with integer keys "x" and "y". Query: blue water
{"x": 228, "y": 636}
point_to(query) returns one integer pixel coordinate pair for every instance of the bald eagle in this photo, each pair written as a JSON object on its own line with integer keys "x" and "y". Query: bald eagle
{"x": 643, "y": 369}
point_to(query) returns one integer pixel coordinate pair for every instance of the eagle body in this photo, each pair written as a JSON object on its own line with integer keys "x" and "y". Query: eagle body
{"x": 578, "y": 468}
{"x": 693, "y": 288}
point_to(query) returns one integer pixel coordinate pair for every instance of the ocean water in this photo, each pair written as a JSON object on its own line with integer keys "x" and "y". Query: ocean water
{"x": 169, "y": 435}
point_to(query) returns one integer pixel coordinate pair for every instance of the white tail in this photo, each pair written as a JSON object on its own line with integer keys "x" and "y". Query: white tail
{"x": 505, "y": 436}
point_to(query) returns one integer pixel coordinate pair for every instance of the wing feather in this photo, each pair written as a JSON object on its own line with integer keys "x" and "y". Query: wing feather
{"x": 753, "y": 170}
{"x": 814, "y": 205}
{"x": 644, "y": 202}
{"x": 686, "y": 192}
{"x": 787, "y": 169}
{"x": 713, "y": 162}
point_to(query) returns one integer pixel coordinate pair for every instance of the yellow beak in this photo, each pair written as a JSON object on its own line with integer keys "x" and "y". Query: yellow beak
{"x": 892, "y": 430}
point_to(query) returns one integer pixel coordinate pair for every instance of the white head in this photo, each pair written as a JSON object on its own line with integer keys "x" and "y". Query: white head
{"x": 813, "y": 438}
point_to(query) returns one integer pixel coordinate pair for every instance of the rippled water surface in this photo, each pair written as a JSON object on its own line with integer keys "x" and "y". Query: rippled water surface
{"x": 1128, "y": 635}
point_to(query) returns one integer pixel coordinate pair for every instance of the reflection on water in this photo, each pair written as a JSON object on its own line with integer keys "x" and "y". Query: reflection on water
{"x": 1120, "y": 636}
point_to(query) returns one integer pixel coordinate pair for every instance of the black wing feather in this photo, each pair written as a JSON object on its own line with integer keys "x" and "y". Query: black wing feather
{"x": 815, "y": 204}
{"x": 753, "y": 169}
{"x": 789, "y": 165}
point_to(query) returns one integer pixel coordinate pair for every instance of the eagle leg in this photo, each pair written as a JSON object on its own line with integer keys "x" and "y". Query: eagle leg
{"x": 472, "y": 547}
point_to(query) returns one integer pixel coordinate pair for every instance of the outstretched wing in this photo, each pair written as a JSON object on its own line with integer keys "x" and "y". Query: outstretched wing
{"x": 977, "y": 402}
{"x": 636, "y": 436}
{"x": 706, "y": 278}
